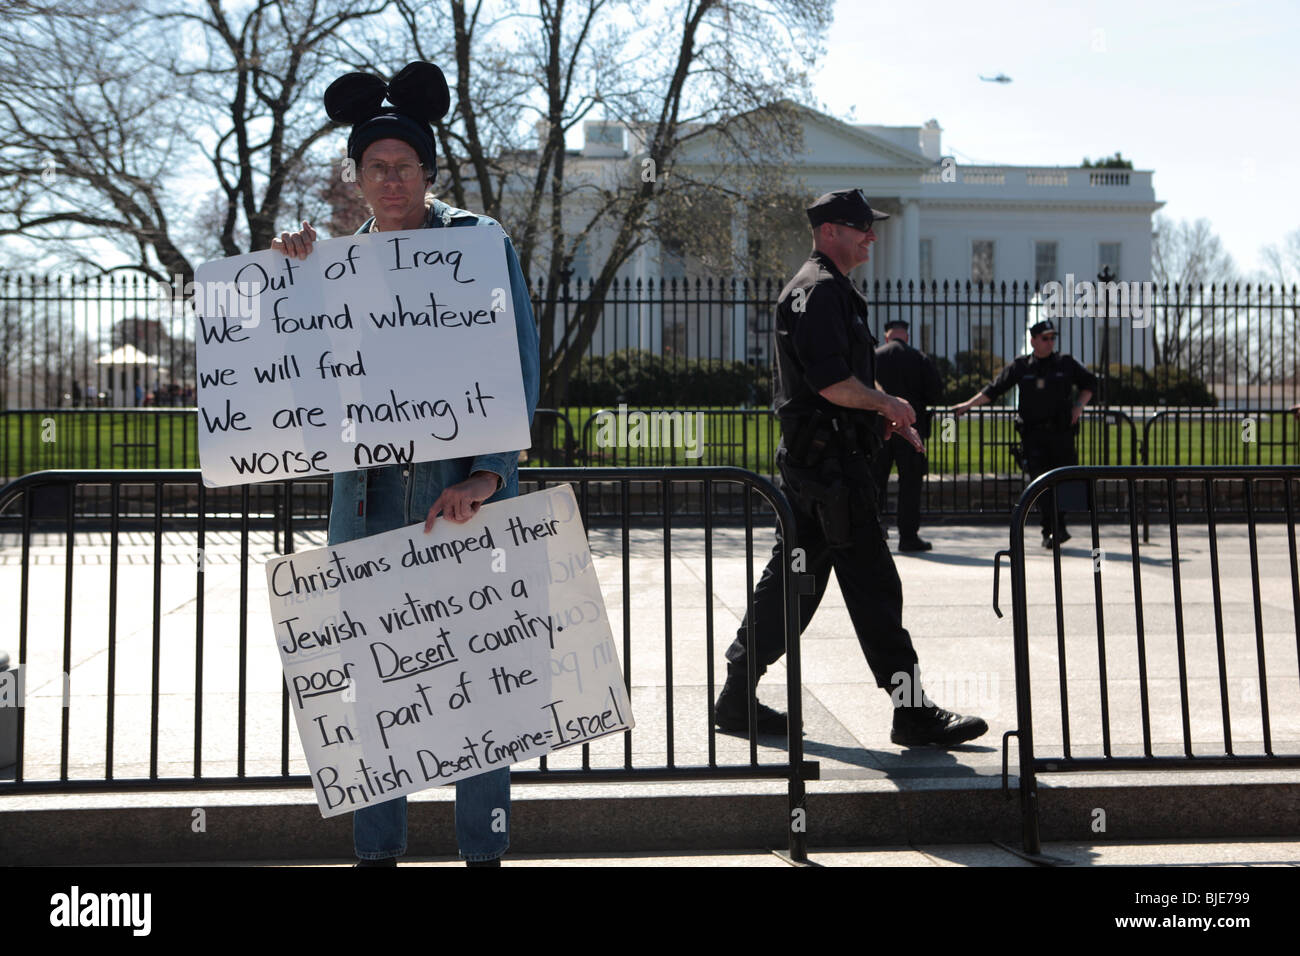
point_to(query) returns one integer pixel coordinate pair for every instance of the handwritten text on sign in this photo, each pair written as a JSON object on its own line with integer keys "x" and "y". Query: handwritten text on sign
{"x": 415, "y": 659}
{"x": 377, "y": 349}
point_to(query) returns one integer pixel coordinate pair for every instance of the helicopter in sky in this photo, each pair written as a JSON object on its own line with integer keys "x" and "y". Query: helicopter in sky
{"x": 1000, "y": 78}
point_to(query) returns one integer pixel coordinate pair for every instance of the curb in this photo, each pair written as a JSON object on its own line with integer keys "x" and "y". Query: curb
{"x": 71, "y": 836}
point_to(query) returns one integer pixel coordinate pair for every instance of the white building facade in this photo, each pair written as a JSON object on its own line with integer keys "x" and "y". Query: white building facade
{"x": 949, "y": 222}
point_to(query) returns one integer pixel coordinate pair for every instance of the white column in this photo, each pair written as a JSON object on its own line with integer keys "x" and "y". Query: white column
{"x": 911, "y": 242}
{"x": 735, "y": 349}
{"x": 880, "y": 260}
{"x": 646, "y": 331}
{"x": 889, "y": 261}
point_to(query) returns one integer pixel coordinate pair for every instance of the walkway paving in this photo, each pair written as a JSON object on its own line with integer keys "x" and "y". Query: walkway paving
{"x": 964, "y": 648}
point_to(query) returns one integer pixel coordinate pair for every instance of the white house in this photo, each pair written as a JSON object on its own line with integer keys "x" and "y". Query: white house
{"x": 949, "y": 221}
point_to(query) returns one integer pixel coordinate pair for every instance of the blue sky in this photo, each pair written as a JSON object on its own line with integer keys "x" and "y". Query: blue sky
{"x": 1205, "y": 94}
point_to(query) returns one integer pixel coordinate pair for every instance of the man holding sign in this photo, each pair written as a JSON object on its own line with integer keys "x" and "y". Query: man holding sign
{"x": 392, "y": 148}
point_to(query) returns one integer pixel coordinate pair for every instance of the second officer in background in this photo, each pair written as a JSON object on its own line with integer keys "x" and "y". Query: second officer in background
{"x": 1047, "y": 414}
{"x": 911, "y": 375}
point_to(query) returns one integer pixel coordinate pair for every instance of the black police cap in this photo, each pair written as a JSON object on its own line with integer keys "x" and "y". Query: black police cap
{"x": 844, "y": 207}
{"x": 1038, "y": 328}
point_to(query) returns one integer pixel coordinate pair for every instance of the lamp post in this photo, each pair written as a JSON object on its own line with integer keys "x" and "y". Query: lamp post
{"x": 1105, "y": 277}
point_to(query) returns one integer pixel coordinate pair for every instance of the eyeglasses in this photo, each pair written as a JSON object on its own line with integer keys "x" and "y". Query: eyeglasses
{"x": 852, "y": 225}
{"x": 378, "y": 172}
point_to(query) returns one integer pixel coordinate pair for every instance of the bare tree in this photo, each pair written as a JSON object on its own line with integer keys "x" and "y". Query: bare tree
{"x": 42, "y": 351}
{"x": 129, "y": 102}
{"x": 261, "y": 82}
{"x": 102, "y": 132}
{"x": 1282, "y": 266}
{"x": 710, "y": 72}
{"x": 724, "y": 79}
{"x": 89, "y": 133}
{"x": 1282, "y": 263}
{"x": 1185, "y": 259}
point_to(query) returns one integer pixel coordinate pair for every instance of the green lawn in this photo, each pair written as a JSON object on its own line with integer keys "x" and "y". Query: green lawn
{"x": 977, "y": 444}
{"x": 75, "y": 438}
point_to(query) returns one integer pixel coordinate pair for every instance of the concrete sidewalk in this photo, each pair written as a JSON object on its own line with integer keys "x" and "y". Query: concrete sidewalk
{"x": 870, "y": 792}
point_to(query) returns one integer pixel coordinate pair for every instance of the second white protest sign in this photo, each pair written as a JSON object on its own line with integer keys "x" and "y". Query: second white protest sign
{"x": 415, "y": 659}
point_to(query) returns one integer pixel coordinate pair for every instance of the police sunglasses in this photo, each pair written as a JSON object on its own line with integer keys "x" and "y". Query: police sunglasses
{"x": 852, "y": 225}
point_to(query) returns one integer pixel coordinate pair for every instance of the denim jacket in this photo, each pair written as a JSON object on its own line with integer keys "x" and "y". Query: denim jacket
{"x": 423, "y": 482}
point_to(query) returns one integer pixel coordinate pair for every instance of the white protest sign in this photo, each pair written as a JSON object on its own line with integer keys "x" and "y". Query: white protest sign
{"x": 377, "y": 349}
{"x": 415, "y": 659}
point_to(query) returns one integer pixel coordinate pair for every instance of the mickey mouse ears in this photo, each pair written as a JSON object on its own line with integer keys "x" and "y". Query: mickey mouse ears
{"x": 419, "y": 90}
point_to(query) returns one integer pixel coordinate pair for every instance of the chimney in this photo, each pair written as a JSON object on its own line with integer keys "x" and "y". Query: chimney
{"x": 930, "y": 135}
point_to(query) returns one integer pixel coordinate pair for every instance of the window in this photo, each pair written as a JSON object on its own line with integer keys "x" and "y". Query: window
{"x": 1044, "y": 263}
{"x": 927, "y": 261}
{"x": 1108, "y": 255}
{"x": 581, "y": 263}
{"x": 673, "y": 260}
{"x": 1111, "y": 338}
{"x": 981, "y": 261}
{"x": 604, "y": 134}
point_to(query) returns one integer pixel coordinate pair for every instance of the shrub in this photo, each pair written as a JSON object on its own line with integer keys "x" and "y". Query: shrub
{"x": 639, "y": 377}
{"x": 1162, "y": 385}
{"x": 967, "y": 373}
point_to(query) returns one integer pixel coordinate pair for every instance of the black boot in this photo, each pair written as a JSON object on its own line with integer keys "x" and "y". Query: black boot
{"x": 731, "y": 713}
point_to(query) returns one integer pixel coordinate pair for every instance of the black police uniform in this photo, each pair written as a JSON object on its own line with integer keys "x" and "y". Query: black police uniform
{"x": 909, "y": 374}
{"x": 821, "y": 339}
{"x": 1046, "y": 400}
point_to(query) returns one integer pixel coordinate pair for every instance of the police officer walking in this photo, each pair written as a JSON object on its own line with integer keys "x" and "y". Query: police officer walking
{"x": 832, "y": 420}
{"x": 1048, "y": 414}
{"x": 910, "y": 374}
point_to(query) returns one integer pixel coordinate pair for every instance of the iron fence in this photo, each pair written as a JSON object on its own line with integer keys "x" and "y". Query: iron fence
{"x": 1202, "y": 676}
{"x": 103, "y": 621}
{"x": 972, "y": 469}
{"x": 125, "y": 341}
{"x": 1221, "y": 436}
{"x": 62, "y": 439}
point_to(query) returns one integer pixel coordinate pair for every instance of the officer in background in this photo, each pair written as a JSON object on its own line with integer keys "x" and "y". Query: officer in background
{"x": 910, "y": 374}
{"x": 832, "y": 420}
{"x": 1048, "y": 414}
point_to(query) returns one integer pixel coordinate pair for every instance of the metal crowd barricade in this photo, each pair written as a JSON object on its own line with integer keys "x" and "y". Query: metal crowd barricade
{"x": 47, "y": 512}
{"x": 1221, "y": 436}
{"x": 1218, "y": 436}
{"x": 972, "y": 468}
{"x": 734, "y": 437}
{"x": 1163, "y": 695}
{"x": 690, "y": 438}
{"x": 548, "y": 424}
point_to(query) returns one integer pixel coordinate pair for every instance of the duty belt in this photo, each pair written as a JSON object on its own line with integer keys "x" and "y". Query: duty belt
{"x": 811, "y": 439}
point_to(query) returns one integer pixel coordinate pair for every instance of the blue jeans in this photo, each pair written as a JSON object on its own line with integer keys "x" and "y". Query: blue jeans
{"x": 482, "y": 820}
{"x": 482, "y": 801}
